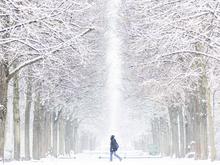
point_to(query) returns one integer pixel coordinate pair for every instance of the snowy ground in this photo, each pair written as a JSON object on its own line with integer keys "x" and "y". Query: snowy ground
{"x": 101, "y": 157}
{"x": 152, "y": 161}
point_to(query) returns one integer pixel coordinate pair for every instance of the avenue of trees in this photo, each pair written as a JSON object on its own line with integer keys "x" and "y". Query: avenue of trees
{"x": 172, "y": 60}
{"x": 51, "y": 76}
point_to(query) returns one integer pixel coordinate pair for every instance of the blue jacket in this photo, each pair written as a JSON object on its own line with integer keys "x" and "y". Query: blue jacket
{"x": 114, "y": 145}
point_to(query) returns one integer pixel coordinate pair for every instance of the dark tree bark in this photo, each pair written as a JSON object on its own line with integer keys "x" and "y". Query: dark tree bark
{"x": 68, "y": 137}
{"x": 197, "y": 130}
{"x": 3, "y": 104}
{"x": 182, "y": 134}
{"x": 27, "y": 115}
{"x": 48, "y": 132}
{"x": 16, "y": 118}
{"x": 61, "y": 135}
{"x": 174, "y": 131}
{"x": 75, "y": 135}
{"x": 4, "y": 74}
{"x": 36, "y": 128}
{"x": 55, "y": 134}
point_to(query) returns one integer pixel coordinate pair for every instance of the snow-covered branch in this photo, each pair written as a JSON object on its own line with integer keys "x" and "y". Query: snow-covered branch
{"x": 190, "y": 52}
{"x": 17, "y": 69}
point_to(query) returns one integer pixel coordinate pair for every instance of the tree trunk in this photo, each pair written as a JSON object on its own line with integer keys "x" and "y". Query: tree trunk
{"x": 193, "y": 123}
{"x": 27, "y": 115}
{"x": 55, "y": 127}
{"x": 197, "y": 131}
{"x": 75, "y": 139}
{"x": 61, "y": 135}
{"x": 42, "y": 131}
{"x": 44, "y": 134}
{"x": 68, "y": 136}
{"x": 16, "y": 118}
{"x": 3, "y": 104}
{"x": 75, "y": 135}
{"x": 188, "y": 126}
{"x": 203, "y": 137}
{"x": 48, "y": 132}
{"x": 4, "y": 73}
{"x": 167, "y": 139}
{"x": 174, "y": 131}
{"x": 156, "y": 134}
{"x": 36, "y": 128}
{"x": 176, "y": 138}
{"x": 163, "y": 139}
{"x": 211, "y": 127}
{"x": 182, "y": 134}
{"x": 203, "y": 85}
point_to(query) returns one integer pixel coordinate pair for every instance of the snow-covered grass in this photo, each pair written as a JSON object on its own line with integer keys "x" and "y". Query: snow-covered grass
{"x": 96, "y": 161}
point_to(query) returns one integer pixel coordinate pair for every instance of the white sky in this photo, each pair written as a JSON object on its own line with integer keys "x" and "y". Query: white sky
{"x": 114, "y": 66}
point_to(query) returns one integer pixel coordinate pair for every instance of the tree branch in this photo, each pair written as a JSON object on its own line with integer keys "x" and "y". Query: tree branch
{"x": 192, "y": 52}
{"x": 16, "y": 70}
{"x": 86, "y": 32}
{"x": 68, "y": 43}
{"x": 26, "y": 23}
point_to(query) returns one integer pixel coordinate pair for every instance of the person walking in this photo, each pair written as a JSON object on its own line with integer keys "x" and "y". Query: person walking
{"x": 113, "y": 148}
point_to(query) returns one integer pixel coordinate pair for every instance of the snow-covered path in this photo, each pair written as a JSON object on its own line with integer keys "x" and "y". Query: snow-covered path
{"x": 155, "y": 161}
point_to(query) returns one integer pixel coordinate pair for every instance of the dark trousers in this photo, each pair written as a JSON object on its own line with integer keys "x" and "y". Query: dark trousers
{"x": 114, "y": 153}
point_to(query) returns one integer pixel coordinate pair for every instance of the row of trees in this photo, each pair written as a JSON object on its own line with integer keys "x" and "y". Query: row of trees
{"x": 173, "y": 58}
{"x": 51, "y": 62}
